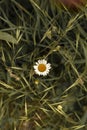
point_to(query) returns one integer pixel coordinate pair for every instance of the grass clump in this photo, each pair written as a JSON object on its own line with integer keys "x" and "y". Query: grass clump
{"x": 31, "y": 30}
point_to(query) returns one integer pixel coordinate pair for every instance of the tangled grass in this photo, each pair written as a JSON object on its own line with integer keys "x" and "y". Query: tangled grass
{"x": 35, "y": 29}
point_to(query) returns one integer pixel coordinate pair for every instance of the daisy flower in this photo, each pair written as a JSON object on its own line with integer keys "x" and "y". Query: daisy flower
{"x": 41, "y": 67}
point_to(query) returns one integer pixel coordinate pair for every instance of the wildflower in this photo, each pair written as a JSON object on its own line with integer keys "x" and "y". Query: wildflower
{"x": 42, "y": 67}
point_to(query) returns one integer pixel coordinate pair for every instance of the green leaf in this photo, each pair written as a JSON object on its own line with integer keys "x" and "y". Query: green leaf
{"x": 7, "y": 37}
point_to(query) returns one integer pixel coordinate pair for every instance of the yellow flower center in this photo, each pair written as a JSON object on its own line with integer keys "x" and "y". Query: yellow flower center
{"x": 42, "y": 67}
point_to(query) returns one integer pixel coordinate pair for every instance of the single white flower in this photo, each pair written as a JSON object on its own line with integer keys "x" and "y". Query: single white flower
{"x": 41, "y": 67}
